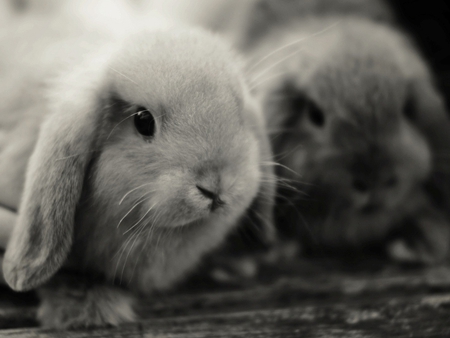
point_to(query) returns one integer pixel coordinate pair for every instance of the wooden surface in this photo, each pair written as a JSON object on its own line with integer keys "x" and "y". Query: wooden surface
{"x": 308, "y": 299}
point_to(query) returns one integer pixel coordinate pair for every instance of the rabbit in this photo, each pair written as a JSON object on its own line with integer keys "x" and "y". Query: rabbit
{"x": 356, "y": 123}
{"x": 129, "y": 153}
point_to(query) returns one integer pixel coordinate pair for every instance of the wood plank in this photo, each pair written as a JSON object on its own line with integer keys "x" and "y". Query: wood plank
{"x": 315, "y": 300}
{"x": 425, "y": 316}
{"x": 309, "y": 286}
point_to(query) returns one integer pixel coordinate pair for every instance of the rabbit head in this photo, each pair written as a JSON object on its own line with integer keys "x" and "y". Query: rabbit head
{"x": 348, "y": 107}
{"x": 157, "y": 134}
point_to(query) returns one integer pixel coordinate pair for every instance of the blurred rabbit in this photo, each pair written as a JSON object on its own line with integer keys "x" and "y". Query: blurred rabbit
{"x": 351, "y": 108}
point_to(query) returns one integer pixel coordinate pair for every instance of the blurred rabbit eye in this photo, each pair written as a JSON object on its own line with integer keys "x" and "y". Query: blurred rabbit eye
{"x": 302, "y": 105}
{"x": 315, "y": 115}
{"x": 144, "y": 122}
{"x": 409, "y": 109}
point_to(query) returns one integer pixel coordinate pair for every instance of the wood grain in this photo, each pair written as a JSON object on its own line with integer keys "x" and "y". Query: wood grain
{"x": 312, "y": 300}
{"x": 425, "y": 316}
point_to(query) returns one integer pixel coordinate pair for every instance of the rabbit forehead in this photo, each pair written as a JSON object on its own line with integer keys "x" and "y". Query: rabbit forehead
{"x": 366, "y": 91}
{"x": 175, "y": 64}
{"x": 356, "y": 63}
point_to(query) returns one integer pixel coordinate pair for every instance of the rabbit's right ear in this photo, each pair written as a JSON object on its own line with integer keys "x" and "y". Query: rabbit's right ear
{"x": 43, "y": 235}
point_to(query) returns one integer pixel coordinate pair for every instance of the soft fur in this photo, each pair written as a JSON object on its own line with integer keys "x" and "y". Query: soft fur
{"x": 98, "y": 197}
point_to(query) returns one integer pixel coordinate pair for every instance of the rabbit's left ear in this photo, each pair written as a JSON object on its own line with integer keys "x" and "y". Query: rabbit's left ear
{"x": 429, "y": 114}
{"x": 43, "y": 234}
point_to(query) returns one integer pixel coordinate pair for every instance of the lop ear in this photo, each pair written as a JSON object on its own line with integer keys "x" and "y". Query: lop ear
{"x": 430, "y": 116}
{"x": 43, "y": 235}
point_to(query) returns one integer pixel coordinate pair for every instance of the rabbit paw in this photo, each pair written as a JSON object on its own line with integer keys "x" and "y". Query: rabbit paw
{"x": 428, "y": 244}
{"x": 75, "y": 308}
{"x": 244, "y": 269}
{"x": 403, "y": 252}
{"x": 235, "y": 270}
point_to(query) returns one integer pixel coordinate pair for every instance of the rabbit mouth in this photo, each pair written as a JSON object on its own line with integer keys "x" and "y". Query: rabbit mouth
{"x": 211, "y": 217}
{"x": 371, "y": 208}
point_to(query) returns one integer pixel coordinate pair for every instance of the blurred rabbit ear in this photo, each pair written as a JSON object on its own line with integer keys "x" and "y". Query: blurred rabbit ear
{"x": 428, "y": 112}
{"x": 43, "y": 235}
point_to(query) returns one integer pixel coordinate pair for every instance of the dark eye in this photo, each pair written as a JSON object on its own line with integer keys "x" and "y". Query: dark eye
{"x": 144, "y": 122}
{"x": 409, "y": 110}
{"x": 315, "y": 115}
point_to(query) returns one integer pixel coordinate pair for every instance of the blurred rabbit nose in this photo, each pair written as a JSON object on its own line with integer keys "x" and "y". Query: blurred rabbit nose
{"x": 366, "y": 184}
{"x": 361, "y": 185}
{"x": 208, "y": 193}
{"x": 372, "y": 170}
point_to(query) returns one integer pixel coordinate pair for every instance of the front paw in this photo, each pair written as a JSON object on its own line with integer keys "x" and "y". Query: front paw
{"x": 235, "y": 270}
{"x": 427, "y": 242}
{"x": 241, "y": 270}
{"x": 95, "y": 306}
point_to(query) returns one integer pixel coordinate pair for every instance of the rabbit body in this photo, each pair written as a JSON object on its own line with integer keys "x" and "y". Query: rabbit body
{"x": 93, "y": 192}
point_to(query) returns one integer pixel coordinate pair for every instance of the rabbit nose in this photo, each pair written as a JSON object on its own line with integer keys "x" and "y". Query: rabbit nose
{"x": 371, "y": 208}
{"x": 391, "y": 181}
{"x": 214, "y": 197}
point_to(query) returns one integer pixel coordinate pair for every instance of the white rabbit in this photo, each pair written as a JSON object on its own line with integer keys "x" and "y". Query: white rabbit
{"x": 129, "y": 153}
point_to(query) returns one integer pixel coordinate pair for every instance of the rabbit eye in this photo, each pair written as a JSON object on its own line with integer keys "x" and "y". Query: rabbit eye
{"x": 409, "y": 110}
{"x": 144, "y": 122}
{"x": 315, "y": 115}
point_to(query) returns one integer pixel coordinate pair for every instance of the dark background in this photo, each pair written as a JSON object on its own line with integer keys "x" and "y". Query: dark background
{"x": 429, "y": 22}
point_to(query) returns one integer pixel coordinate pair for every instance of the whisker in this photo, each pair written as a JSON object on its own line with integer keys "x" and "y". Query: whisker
{"x": 282, "y": 166}
{"x": 131, "y": 228}
{"x": 282, "y": 180}
{"x": 138, "y": 232}
{"x": 254, "y": 86}
{"x": 124, "y": 76}
{"x": 150, "y": 231}
{"x": 291, "y": 44}
{"x": 140, "y": 255}
{"x": 265, "y": 71}
{"x": 290, "y": 187}
{"x": 141, "y": 186}
{"x": 287, "y": 153}
{"x": 120, "y": 253}
{"x": 134, "y": 206}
